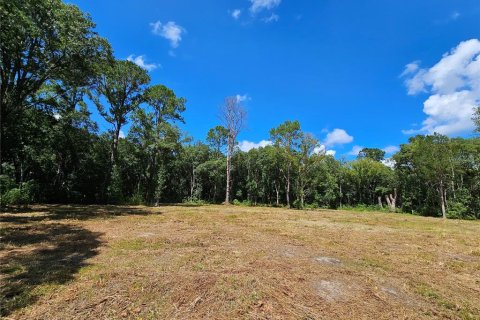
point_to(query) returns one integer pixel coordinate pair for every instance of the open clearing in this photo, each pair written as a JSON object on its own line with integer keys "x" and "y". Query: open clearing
{"x": 215, "y": 262}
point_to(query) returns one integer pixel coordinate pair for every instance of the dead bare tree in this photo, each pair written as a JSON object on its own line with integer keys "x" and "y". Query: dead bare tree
{"x": 233, "y": 117}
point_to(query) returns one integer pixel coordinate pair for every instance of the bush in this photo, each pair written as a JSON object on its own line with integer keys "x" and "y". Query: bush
{"x": 20, "y": 196}
{"x": 364, "y": 208}
{"x": 244, "y": 203}
{"x": 135, "y": 200}
{"x": 458, "y": 210}
{"x": 194, "y": 202}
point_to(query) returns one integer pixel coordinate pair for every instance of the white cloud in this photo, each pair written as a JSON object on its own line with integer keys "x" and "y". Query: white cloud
{"x": 390, "y": 149}
{"x": 236, "y": 14}
{"x": 248, "y": 145}
{"x": 410, "y": 68}
{"x": 337, "y": 136}
{"x": 454, "y": 87}
{"x": 170, "y": 31}
{"x": 242, "y": 97}
{"x": 140, "y": 61}
{"x": 57, "y": 116}
{"x": 272, "y": 18}
{"x": 122, "y": 135}
{"x": 355, "y": 150}
{"x": 331, "y": 153}
{"x": 322, "y": 149}
{"x": 319, "y": 149}
{"x": 259, "y": 5}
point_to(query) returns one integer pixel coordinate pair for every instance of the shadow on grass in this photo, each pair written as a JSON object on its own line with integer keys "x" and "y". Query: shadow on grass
{"x": 34, "y": 258}
{"x": 75, "y": 212}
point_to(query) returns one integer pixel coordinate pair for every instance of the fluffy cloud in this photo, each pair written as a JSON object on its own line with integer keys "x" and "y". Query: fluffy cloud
{"x": 322, "y": 149}
{"x": 259, "y": 5}
{"x": 337, "y": 136}
{"x": 454, "y": 88}
{"x": 390, "y": 149}
{"x": 140, "y": 61}
{"x": 248, "y": 145}
{"x": 355, "y": 150}
{"x": 236, "y": 14}
{"x": 170, "y": 31}
{"x": 330, "y": 153}
{"x": 122, "y": 135}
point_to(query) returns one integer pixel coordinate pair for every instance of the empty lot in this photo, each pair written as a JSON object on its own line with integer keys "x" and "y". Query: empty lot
{"x": 217, "y": 262}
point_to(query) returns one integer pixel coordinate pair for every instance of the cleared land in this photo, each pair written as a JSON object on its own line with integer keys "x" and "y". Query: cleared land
{"x": 184, "y": 262}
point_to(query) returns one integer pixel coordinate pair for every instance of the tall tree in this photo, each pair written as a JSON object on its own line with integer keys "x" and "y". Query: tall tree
{"x": 372, "y": 153}
{"x": 287, "y": 137}
{"x": 41, "y": 41}
{"x": 430, "y": 158}
{"x": 217, "y": 138}
{"x": 122, "y": 85}
{"x": 306, "y": 159}
{"x": 155, "y": 132}
{"x": 233, "y": 117}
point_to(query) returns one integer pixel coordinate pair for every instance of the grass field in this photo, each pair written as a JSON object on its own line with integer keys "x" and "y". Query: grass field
{"x": 216, "y": 262}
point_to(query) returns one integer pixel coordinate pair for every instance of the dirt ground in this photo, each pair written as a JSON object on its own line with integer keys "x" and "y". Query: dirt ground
{"x": 216, "y": 262}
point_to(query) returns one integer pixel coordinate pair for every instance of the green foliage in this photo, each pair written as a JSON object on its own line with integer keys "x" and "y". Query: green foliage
{"x": 217, "y": 138}
{"x": 365, "y": 208}
{"x": 22, "y": 195}
{"x": 115, "y": 190}
{"x": 372, "y": 153}
{"x": 244, "y": 203}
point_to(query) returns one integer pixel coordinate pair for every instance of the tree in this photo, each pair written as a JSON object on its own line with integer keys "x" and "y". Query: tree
{"x": 41, "y": 41}
{"x": 371, "y": 179}
{"x": 430, "y": 159}
{"x": 217, "y": 138}
{"x": 287, "y": 137}
{"x": 306, "y": 159}
{"x": 233, "y": 117}
{"x": 154, "y": 132}
{"x": 122, "y": 85}
{"x": 372, "y": 153}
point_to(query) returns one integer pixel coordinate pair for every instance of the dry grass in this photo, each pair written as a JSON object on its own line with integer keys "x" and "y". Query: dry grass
{"x": 215, "y": 262}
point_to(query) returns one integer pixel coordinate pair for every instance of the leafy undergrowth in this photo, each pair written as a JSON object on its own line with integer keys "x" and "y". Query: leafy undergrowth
{"x": 216, "y": 262}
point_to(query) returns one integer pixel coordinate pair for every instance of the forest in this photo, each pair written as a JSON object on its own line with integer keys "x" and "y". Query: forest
{"x": 54, "y": 67}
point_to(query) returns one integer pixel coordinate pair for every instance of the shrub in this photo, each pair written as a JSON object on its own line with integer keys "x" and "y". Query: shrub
{"x": 458, "y": 210}
{"x": 23, "y": 195}
{"x": 135, "y": 200}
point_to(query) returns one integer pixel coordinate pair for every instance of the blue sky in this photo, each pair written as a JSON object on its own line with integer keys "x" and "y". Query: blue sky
{"x": 354, "y": 73}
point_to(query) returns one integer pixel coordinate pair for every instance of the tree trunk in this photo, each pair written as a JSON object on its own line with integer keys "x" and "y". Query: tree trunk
{"x": 287, "y": 188}
{"x": 277, "y": 191}
{"x": 227, "y": 191}
{"x": 192, "y": 183}
{"x": 392, "y": 200}
{"x": 442, "y": 200}
{"x": 380, "y": 202}
{"x": 113, "y": 155}
{"x": 341, "y": 195}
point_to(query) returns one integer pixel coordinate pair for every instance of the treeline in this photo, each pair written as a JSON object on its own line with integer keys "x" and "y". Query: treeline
{"x": 52, "y": 62}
